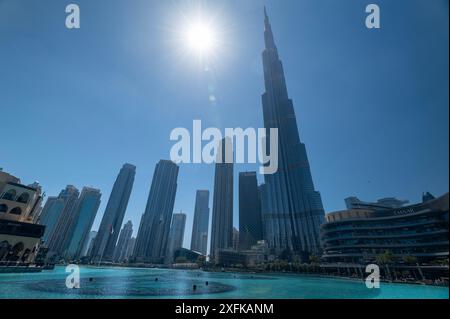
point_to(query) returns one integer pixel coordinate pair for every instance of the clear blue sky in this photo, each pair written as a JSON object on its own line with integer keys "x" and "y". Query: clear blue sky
{"x": 372, "y": 105}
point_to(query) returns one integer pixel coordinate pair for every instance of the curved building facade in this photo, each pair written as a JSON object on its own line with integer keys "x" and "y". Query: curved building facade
{"x": 359, "y": 235}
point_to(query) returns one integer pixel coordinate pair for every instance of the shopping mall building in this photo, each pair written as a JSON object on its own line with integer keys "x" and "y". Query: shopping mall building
{"x": 410, "y": 234}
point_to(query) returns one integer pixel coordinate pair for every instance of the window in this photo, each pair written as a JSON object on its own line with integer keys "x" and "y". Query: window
{"x": 25, "y": 255}
{"x": 23, "y": 198}
{"x": 16, "y": 211}
{"x": 13, "y": 254}
{"x": 3, "y": 208}
{"x": 10, "y": 194}
{"x": 4, "y": 249}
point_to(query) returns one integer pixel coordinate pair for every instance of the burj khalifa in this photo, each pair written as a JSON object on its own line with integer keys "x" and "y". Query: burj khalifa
{"x": 292, "y": 209}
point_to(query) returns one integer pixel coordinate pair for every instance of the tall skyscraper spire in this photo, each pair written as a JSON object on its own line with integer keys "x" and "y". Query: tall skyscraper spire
{"x": 292, "y": 209}
{"x": 266, "y": 17}
{"x": 268, "y": 34}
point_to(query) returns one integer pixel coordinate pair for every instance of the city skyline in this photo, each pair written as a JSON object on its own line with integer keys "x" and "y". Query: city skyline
{"x": 400, "y": 173}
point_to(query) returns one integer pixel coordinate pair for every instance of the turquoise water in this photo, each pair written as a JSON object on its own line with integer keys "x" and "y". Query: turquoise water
{"x": 142, "y": 283}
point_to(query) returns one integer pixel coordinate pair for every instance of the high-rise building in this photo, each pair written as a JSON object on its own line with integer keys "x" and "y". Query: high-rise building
{"x": 105, "y": 241}
{"x": 176, "y": 234}
{"x": 222, "y": 216}
{"x": 85, "y": 212}
{"x": 120, "y": 254}
{"x": 292, "y": 210}
{"x": 62, "y": 234}
{"x": 235, "y": 239}
{"x": 89, "y": 243}
{"x": 250, "y": 221}
{"x": 199, "y": 239}
{"x": 153, "y": 234}
{"x": 130, "y": 248}
{"x": 49, "y": 216}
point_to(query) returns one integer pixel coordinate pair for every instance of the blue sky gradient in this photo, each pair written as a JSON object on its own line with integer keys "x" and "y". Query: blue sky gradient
{"x": 371, "y": 105}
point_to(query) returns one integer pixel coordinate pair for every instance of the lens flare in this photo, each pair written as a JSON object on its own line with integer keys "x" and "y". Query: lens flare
{"x": 201, "y": 38}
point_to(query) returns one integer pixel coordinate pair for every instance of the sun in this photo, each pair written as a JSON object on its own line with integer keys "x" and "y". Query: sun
{"x": 201, "y": 38}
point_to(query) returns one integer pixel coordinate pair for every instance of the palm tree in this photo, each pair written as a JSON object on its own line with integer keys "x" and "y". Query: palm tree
{"x": 314, "y": 260}
{"x": 408, "y": 259}
{"x": 201, "y": 261}
{"x": 385, "y": 259}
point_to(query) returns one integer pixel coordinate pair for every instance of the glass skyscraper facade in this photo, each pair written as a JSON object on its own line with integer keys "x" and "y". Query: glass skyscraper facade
{"x": 61, "y": 235}
{"x": 105, "y": 241}
{"x": 85, "y": 213}
{"x": 120, "y": 253}
{"x": 250, "y": 222}
{"x": 222, "y": 216}
{"x": 199, "y": 239}
{"x": 49, "y": 216}
{"x": 292, "y": 209}
{"x": 153, "y": 234}
{"x": 176, "y": 234}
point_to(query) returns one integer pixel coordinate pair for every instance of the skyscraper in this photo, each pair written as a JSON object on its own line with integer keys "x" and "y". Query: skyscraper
{"x": 222, "y": 216}
{"x": 89, "y": 243}
{"x": 153, "y": 234}
{"x": 199, "y": 239}
{"x": 130, "y": 247}
{"x": 235, "y": 239}
{"x": 120, "y": 253}
{"x": 85, "y": 212}
{"x": 176, "y": 234}
{"x": 49, "y": 216}
{"x": 62, "y": 233}
{"x": 250, "y": 222}
{"x": 292, "y": 210}
{"x": 105, "y": 241}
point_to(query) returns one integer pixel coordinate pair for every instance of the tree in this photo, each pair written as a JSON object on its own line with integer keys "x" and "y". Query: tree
{"x": 408, "y": 259}
{"x": 181, "y": 260}
{"x": 314, "y": 260}
{"x": 286, "y": 255}
{"x": 385, "y": 259}
{"x": 201, "y": 260}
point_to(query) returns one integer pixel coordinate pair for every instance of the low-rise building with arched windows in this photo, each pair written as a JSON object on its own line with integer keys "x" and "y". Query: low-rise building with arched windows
{"x": 20, "y": 236}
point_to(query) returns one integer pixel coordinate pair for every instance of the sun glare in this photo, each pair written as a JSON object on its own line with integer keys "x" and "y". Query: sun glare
{"x": 201, "y": 38}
